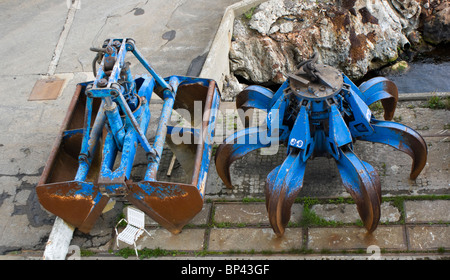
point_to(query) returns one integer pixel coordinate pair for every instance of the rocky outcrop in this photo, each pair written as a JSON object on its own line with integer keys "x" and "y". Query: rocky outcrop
{"x": 355, "y": 36}
{"x": 436, "y": 21}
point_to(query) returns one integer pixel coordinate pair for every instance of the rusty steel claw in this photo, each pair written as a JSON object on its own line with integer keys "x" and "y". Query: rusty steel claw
{"x": 363, "y": 185}
{"x": 252, "y": 97}
{"x": 282, "y": 187}
{"x": 380, "y": 88}
{"x": 235, "y": 147}
{"x": 404, "y": 139}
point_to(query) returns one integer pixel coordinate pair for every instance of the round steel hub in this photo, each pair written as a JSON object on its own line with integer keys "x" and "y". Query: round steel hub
{"x": 316, "y": 81}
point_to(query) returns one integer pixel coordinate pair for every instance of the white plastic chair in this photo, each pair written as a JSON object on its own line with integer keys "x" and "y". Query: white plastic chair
{"x": 134, "y": 229}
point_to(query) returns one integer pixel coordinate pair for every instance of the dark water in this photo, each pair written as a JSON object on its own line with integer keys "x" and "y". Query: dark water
{"x": 424, "y": 76}
{"x": 427, "y": 72}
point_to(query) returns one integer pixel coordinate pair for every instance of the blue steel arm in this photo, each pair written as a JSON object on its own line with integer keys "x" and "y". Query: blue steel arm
{"x": 339, "y": 134}
{"x": 161, "y": 131}
{"x": 89, "y": 144}
{"x": 147, "y": 65}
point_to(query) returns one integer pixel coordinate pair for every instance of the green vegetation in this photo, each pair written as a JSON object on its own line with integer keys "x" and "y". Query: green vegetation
{"x": 436, "y": 102}
{"x": 249, "y": 13}
{"x": 86, "y": 253}
{"x": 120, "y": 217}
{"x": 148, "y": 253}
{"x": 376, "y": 108}
{"x": 398, "y": 118}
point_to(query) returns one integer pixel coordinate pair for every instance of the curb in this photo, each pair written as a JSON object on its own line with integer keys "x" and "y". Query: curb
{"x": 216, "y": 65}
{"x": 421, "y": 96}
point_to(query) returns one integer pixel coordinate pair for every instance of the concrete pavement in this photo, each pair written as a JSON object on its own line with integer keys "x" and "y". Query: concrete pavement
{"x": 30, "y": 35}
{"x": 175, "y": 36}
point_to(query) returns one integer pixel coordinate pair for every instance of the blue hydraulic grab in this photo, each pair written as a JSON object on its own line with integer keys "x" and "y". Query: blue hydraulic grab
{"x": 318, "y": 111}
{"x": 107, "y": 119}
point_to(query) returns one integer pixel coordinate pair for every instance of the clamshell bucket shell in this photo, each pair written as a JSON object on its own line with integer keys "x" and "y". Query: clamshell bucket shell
{"x": 81, "y": 201}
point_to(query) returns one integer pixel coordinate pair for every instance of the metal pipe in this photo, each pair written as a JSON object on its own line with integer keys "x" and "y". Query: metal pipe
{"x": 86, "y": 129}
{"x": 161, "y": 131}
{"x": 149, "y": 68}
{"x": 97, "y": 130}
{"x": 95, "y": 134}
{"x": 115, "y": 122}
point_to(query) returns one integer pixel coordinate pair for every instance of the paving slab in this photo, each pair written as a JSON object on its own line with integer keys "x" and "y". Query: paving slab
{"x": 202, "y": 218}
{"x": 256, "y": 239}
{"x": 428, "y": 237}
{"x": 347, "y": 213}
{"x": 249, "y": 213}
{"x": 353, "y": 238}
{"x": 187, "y": 240}
{"x": 426, "y": 211}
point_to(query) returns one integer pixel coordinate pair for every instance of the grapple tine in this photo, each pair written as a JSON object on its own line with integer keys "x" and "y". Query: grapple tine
{"x": 375, "y": 178}
{"x": 380, "y": 88}
{"x": 363, "y": 188}
{"x": 402, "y": 138}
{"x": 236, "y": 146}
{"x": 254, "y": 97}
{"x": 282, "y": 187}
{"x": 272, "y": 194}
{"x": 257, "y": 97}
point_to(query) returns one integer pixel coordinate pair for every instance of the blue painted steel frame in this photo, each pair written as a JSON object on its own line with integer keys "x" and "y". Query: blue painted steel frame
{"x": 321, "y": 126}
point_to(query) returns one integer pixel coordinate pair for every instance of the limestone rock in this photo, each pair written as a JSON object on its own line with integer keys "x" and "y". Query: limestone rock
{"x": 231, "y": 88}
{"x": 354, "y": 36}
